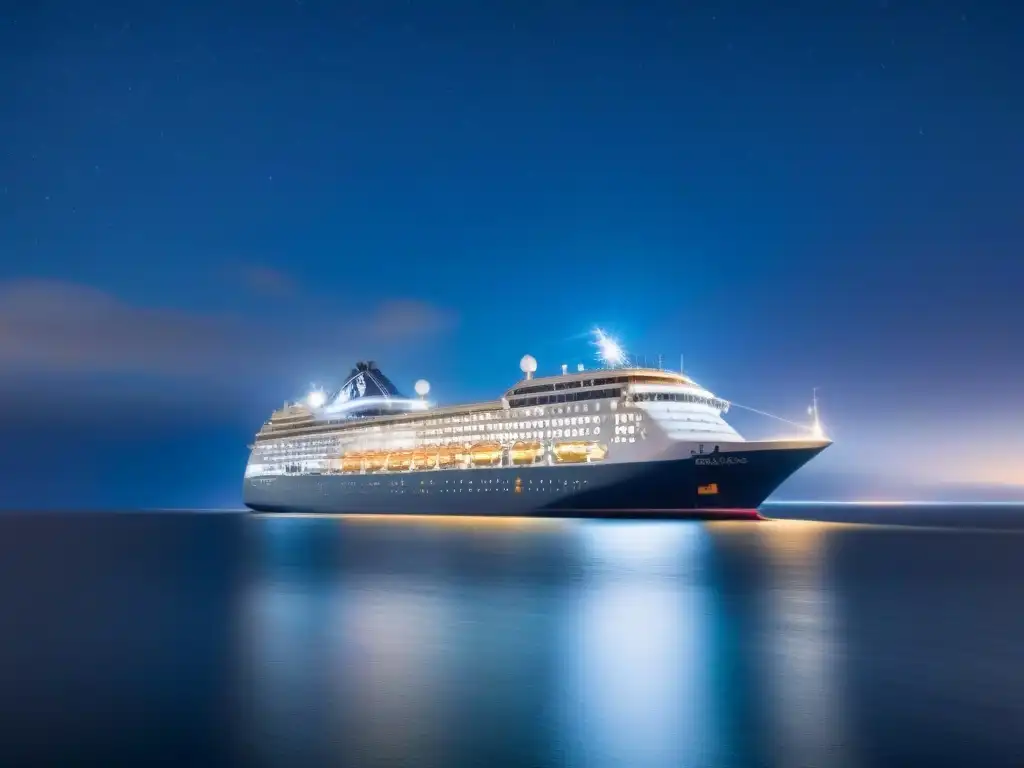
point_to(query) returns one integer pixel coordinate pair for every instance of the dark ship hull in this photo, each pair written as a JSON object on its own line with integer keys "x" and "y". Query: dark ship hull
{"x": 732, "y": 484}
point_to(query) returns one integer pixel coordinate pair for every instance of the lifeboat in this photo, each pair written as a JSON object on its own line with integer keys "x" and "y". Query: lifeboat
{"x": 433, "y": 455}
{"x": 423, "y": 459}
{"x": 450, "y": 455}
{"x": 576, "y": 452}
{"x": 374, "y": 460}
{"x": 399, "y": 460}
{"x": 485, "y": 454}
{"x": 352, "y": 462}
{"x": 445, "y": 457}
{"x": 526, "y": 453}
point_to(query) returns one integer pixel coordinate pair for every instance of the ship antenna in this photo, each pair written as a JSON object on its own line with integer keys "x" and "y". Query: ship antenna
{"x": 814, "y": 412}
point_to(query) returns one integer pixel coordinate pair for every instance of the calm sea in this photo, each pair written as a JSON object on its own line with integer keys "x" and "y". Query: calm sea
{"x": 194, "y": 639}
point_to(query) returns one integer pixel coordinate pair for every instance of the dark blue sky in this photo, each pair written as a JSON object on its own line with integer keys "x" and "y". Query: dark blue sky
{"x": 206, "y": 206}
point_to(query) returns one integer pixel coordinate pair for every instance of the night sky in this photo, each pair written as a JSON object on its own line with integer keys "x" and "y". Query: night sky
{"x": 207, "y": 206}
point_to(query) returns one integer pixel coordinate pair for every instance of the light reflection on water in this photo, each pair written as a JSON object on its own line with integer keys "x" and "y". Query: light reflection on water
{"x": 804, "y": 649}
{"x": 637, "y": 655}
{"x": 572, "y": 643}
{"x": 197, "y": 640}
{"x": 561, "y": 643}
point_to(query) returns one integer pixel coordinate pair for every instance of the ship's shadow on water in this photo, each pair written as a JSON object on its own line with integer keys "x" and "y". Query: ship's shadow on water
{"x": 195, "y": 640}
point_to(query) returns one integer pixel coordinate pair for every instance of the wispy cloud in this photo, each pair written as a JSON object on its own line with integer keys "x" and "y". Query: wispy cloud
{"x": 51, "y": 326}
{"x": 268, "y": 281}
{"x": 397, "y": 320}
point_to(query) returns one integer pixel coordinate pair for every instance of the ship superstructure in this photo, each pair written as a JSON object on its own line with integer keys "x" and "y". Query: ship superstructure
{"x": 610, "y": 441}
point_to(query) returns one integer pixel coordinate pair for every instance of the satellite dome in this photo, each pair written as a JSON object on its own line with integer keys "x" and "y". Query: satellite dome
{"x": 528, "y": 364}
{"x": 422, "y": 387}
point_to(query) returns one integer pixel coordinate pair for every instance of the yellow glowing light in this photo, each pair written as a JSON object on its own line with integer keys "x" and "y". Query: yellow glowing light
{"x": 454, "y": 521}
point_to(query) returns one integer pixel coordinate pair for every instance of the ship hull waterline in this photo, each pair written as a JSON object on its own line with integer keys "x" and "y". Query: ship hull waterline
{"x": 729, "y": 485}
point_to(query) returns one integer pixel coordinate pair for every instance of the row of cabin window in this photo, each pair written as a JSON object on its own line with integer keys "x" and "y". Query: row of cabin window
{"x": 677, "y": 397}
{"x": 566, "y": 397}
{"x": 577, "y": 384}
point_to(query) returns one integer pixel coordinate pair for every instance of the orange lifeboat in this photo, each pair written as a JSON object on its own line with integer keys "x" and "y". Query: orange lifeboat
{"x": 485, "y": 454}
{"x": 421, "y": 459}
{"x": 446, "y": 456}
{"x": 352, "y": 462}
{"x": 526, "y": 453}
{"x": 576, "y": 452}
{"x": 399, "y": 460}
{"x": 430, "y": 455}
{"x": 374, "y": 460}
{"x": 450, "y": 455}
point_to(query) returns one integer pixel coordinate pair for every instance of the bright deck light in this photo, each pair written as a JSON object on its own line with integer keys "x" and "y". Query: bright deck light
{"x": 608, "y": 350}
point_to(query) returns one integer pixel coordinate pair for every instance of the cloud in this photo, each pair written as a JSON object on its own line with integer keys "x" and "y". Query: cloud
{"x": 267, "y": 281}
{"x": 51, "y": 326}
{"x": 396, "y": 320}
{"x": 46, "y": 325}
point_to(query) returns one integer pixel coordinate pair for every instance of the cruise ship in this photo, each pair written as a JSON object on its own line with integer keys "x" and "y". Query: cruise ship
{"x": 617, "y": 441}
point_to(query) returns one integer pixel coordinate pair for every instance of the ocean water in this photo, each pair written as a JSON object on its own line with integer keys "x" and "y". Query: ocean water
{"x": 223, "y": 639}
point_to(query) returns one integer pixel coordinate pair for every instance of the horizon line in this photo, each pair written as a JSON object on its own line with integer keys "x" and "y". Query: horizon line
{"x": 895, "y": 503}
